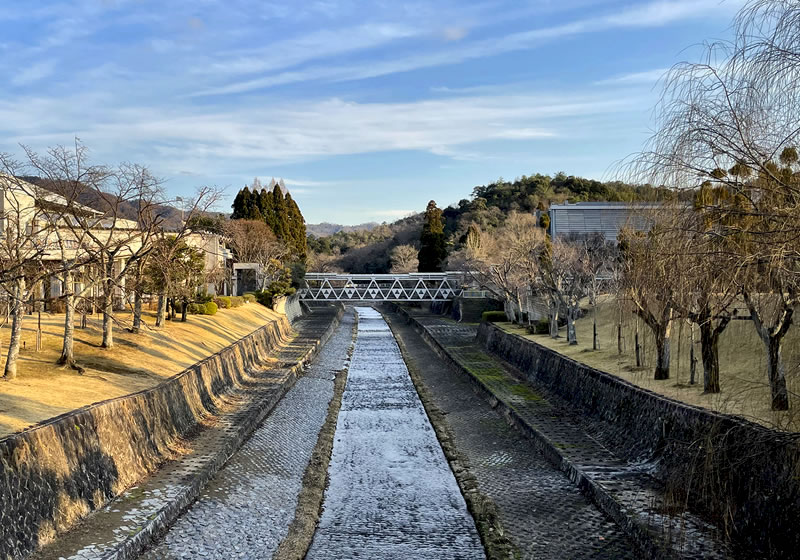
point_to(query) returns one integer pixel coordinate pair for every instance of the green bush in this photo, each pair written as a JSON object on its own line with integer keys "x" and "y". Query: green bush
{"x": 249, "y": 297}
{"x": 542, "y": 326}
{"x": 194, "y": 308}
{"x": 494, "y": 316}
{"x": 236, "y": 301}
{"x": 223, "y": 302}
{"x": 203, "y": 297}
{"x": 209, "y": 308}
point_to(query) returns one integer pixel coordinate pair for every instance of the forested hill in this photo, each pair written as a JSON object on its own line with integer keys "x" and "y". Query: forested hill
{"x": 488, "y": 206}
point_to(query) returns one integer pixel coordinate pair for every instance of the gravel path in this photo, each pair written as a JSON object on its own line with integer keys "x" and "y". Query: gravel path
{"x": 246, "y": 510}
{"x": 391, "y": 492}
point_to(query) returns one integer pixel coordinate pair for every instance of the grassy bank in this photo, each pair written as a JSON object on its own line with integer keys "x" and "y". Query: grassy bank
{"x": 136, "y": 362}
{"x": 743, "y": 378}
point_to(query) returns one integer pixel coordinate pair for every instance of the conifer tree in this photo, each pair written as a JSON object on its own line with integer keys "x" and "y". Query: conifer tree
{"x": 433, "y": 251}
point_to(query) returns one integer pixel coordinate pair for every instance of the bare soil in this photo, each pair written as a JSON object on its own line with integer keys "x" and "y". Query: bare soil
{"x": 44, "y": 389}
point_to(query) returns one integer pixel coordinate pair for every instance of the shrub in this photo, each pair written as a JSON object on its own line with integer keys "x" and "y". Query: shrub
{"x": 542, "y": 326}
{"x": 494, "y": 316}
{"x": 249, "y": 297}
{"x": 203, "y": 297}
{"x": 194, "y": 308}
{"x": 223, "y": 302}
{"x": 236, "y": 301}
{"x": 209, "y": 308}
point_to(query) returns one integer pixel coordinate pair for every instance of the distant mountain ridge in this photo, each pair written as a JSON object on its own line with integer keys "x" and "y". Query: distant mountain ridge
{"x": 326, "y": 228}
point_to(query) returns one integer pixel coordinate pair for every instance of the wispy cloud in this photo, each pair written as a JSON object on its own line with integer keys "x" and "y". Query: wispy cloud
{"x": 646, "y": 77}
{"x": 654, "y": 14}
{"x": 34, "y": 73}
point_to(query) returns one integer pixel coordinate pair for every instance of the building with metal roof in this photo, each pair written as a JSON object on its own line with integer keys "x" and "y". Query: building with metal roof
{"x": 605, "y": 218}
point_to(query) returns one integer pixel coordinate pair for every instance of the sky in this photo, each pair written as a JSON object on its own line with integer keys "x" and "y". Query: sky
{"x": 367, "y": 109}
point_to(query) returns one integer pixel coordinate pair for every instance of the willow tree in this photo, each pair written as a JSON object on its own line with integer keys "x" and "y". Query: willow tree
{"x": 732, "y": 122}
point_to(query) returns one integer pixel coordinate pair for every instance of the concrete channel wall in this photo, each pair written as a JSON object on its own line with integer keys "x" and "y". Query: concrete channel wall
{"x": 55, "y": 473}
{"x": 744, "y": 475}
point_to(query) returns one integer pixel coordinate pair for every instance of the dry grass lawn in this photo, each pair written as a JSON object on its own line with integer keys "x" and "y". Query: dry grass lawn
{"x": 743, "y": 377}
{"x": 43, "y": 389}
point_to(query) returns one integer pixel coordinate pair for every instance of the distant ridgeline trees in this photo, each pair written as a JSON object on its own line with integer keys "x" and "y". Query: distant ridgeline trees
{"x": 278, "y": 210}
{"x": 487, "y": 208}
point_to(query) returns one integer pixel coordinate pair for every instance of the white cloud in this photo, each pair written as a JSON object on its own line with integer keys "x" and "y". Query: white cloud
{"x": 392, "y": 213}
{"x": 654, "y": 14}
{"x": 34, "y": 73}
{"x": 646, "y": 77}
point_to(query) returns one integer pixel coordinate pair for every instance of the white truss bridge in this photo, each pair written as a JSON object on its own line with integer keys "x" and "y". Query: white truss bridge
{"x": 381, "y": 287}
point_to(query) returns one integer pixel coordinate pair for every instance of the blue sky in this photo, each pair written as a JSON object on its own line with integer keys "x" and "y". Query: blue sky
{"x": 366, "y": 109}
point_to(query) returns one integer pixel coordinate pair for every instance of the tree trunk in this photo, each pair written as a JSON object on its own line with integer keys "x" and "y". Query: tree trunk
{"x": 67, "y": 347}
{"x": 775, "y": 372}
{"x": 662, "y": 351}
{"x": 17, "y": 314}
{"x": 709, "y": 350}
{"x": 572, "y": 337}
{"x": 692, "y": 358}
{"x": 553, "y": 321}
{"x": 137, "y": 312}
{"x": 638, "y": 348}
{"x": 162, "y": 309}
{"x": 184, "y": 307}
{"x": 108, "y": 321}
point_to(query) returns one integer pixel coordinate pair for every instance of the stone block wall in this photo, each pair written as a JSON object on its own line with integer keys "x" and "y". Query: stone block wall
{"x": 53, "y": 474}
{"x": 743, "y": 475}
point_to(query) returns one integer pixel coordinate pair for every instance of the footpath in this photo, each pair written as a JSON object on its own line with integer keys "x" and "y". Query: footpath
{"x": 128, "y": 524}
{"x": 625, "y": 492}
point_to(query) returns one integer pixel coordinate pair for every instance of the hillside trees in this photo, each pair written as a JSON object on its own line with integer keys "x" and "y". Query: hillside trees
{"x": 433, "y": 246}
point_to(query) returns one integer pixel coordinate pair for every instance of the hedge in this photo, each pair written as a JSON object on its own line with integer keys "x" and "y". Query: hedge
{"x": 223, "y": 302}
{"x": 494, "y": 316}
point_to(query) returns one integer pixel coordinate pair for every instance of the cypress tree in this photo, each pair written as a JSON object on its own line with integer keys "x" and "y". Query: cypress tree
{"x": 280, "y": 229}
{"x": 433, "y": 250}
{"x": 241, "y": 205}
{"x": 297, "y": 226}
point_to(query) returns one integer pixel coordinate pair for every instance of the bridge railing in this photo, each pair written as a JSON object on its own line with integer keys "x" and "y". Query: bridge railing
{"x": 381, "y": 287}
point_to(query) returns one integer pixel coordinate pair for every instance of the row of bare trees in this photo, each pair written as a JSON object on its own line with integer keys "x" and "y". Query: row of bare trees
{"x": 93, "y": 229}
{"x": 728, "y": 130}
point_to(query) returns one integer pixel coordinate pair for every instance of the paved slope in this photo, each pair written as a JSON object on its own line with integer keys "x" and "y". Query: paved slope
{"x": 246, "y": 509}
{"x": 391, "y": 492}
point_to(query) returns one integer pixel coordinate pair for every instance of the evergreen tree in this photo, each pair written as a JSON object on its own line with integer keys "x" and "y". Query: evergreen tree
{"x": 241, "y": 205}
{"x": 433, "y": 251}
{"x": 280, "y": 227}
{"x": 297, "y": 227}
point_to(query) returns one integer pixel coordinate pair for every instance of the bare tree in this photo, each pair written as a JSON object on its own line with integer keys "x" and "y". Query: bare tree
{"x": 404, "y": 259}
{"x": 506, "y": 259}
{"x": 253, "y": 242}
{"x": 67, "y": 173}
{"x": 167, "y": 246}
{"x": 653, "y": 278}
{"x": 566, "y": 274}
{"x": 732, "y": 123}
{"x": 23, "y": 246}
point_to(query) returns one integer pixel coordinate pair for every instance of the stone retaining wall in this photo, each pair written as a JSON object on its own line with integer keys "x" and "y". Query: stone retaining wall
{"x": 53, "y": 474}
{"x": 744, "y": 475}
{"x": 289, "y": 306}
